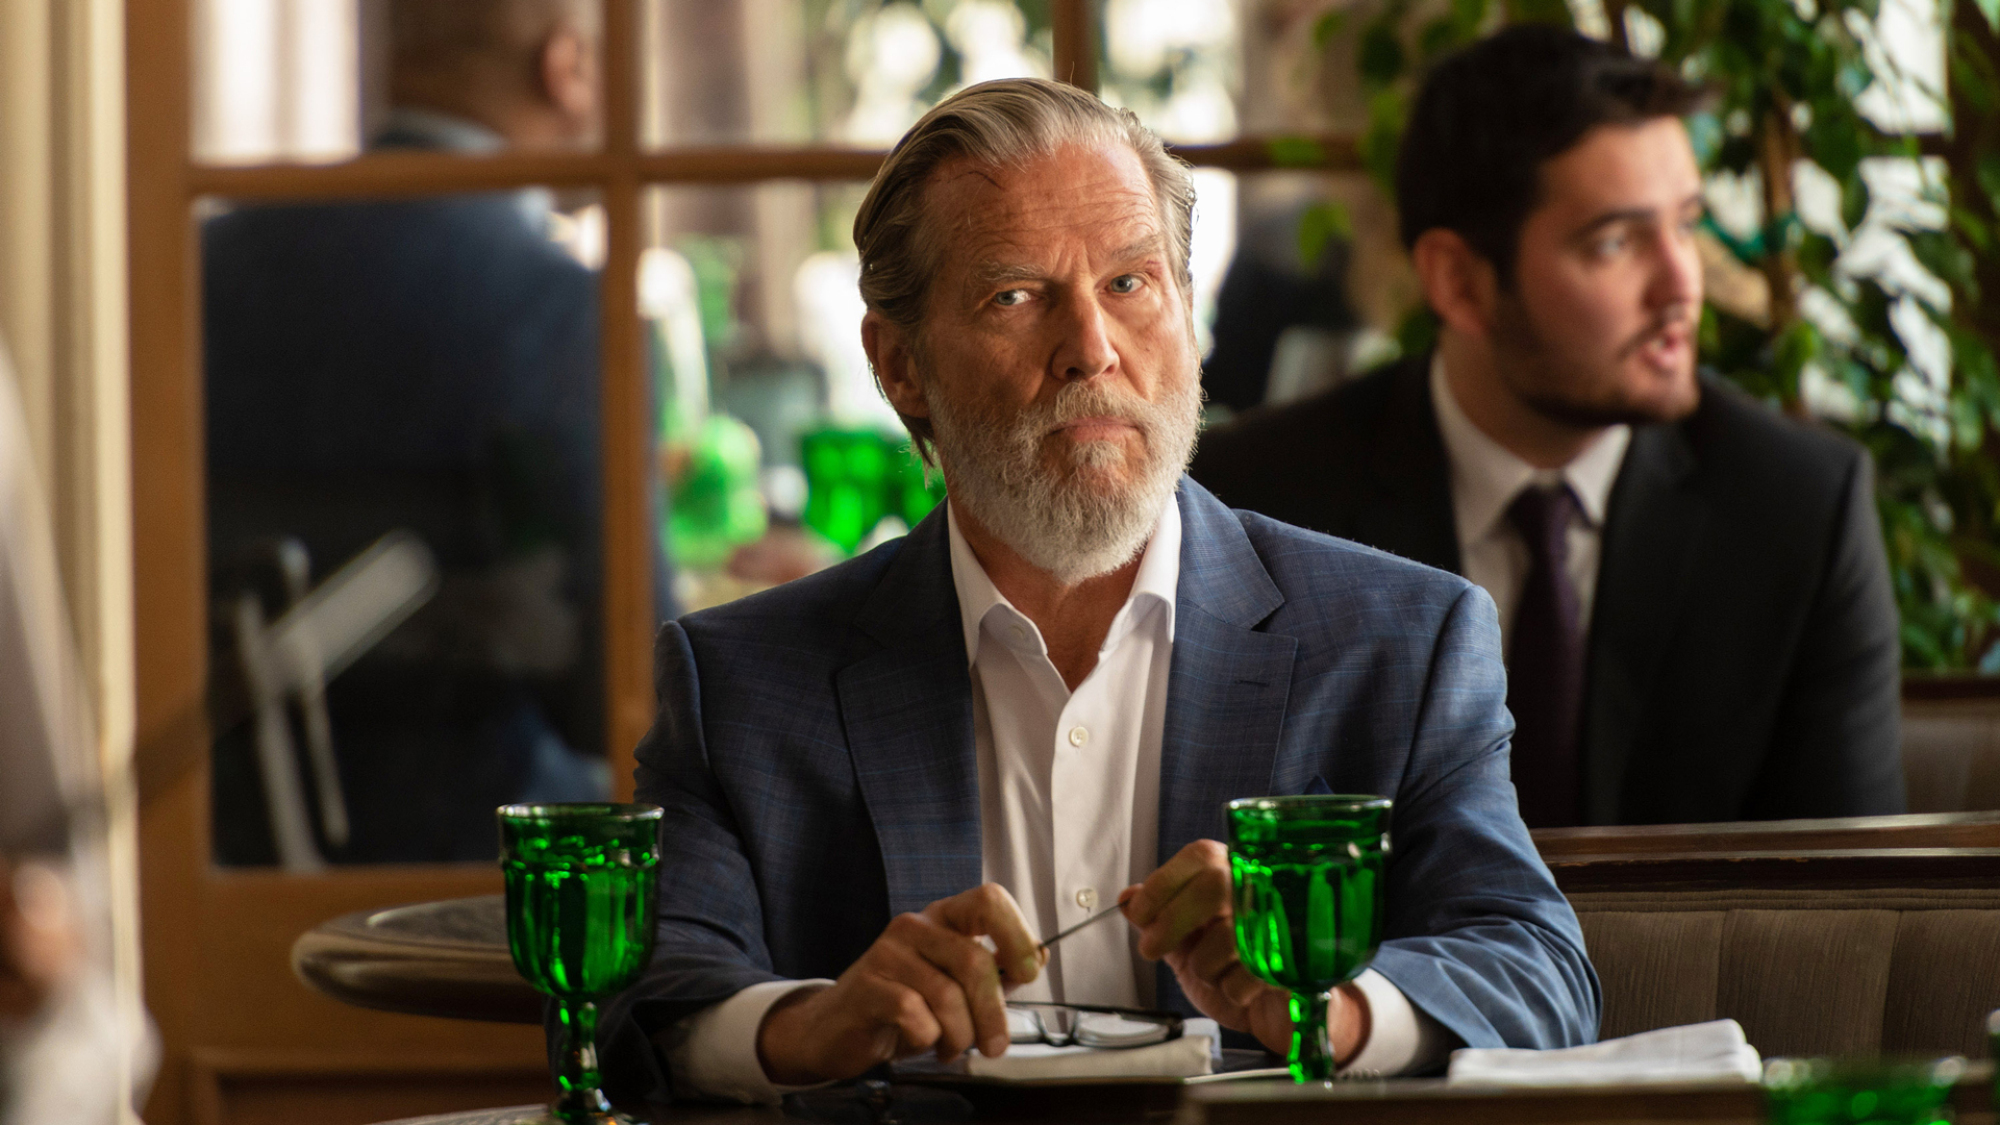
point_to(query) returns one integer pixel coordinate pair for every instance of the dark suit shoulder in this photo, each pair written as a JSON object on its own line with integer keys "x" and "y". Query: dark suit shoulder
{"x": 1314, "y": 462}
{"x": 1747, "y": 444}
{"x": 1297, "y": 433}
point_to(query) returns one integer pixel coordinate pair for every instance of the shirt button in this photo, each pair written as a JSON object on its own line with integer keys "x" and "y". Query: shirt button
{"x": 1020, "y": 634}
{"x": 1087, "y": 898}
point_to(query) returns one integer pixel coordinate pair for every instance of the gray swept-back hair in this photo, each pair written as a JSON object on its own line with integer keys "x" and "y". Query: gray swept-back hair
{"x": 1005, "y": 122}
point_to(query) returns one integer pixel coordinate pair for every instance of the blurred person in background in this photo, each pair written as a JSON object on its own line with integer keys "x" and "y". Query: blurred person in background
{"x": 61, "y": 1032}
{"x": 1692, "y": 588}
{"x": 430, "y": 365}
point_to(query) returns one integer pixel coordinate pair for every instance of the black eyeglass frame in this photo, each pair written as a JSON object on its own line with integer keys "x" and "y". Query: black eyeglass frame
{"x": 1174, "y": 1023}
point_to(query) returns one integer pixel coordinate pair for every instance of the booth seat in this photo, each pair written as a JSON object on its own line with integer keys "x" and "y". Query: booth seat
{"x": 1805, "y": 970}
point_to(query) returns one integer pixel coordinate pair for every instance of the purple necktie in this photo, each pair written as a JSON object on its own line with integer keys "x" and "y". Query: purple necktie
{"x": 1545, "y": 663}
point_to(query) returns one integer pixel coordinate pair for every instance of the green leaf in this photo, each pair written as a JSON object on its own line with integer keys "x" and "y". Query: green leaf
{"x": 1296, "y": 152}
{"x": 1418, "y": 332}
{"x": 1437, "y": 37}
{"x": 1991, "y": 10}
{"x": 1987, "y": 173}
{"x": 1327, "y": 27}
{"x": 1540, "y": 11}
{"x": 1378, "y": 144}
{"x": 1854, "y": 198}
{"x": 1323, "y": 224}
{"x": 1380, "y": 58}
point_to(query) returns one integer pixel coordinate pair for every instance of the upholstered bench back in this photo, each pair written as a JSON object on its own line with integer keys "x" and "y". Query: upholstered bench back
{"x": 1813, "y": 971}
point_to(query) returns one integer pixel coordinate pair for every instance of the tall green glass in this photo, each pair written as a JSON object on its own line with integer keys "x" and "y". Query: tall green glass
{"x": 1310, "y": 874}
{"x": 581, "y": 896}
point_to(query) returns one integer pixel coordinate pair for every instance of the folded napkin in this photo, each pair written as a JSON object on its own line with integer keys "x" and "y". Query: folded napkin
{"x": 1192, "y": 1054}
{"x": 1697, "y": 1051}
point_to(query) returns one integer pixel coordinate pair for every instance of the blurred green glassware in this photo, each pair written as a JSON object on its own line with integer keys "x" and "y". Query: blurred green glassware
{"x": 581, "y": 896}
{"x": 1860, "y": 1091}
{"x": 1310, "y": 875}
{"x": 1993, "y": 1052}
{"x": 854, "y": 478}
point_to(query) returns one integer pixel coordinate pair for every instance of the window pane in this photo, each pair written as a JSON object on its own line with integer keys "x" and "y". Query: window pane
{"x": 404, "y": 522}
{"x": 848, "y": 72}
{"x": 1314, "y": 285}
{"x": 321, "y": 80}
{"x": 754, "y": 329}
{"x": 1176, "y": 64}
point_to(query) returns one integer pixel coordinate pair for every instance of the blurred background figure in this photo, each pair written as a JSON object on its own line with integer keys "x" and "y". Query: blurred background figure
{"x": 425, "y": 369}
{"x": 60, "y": 1028}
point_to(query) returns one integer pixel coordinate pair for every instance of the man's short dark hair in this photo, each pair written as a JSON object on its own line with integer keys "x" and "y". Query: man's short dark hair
{"x": 1490, "y": 115}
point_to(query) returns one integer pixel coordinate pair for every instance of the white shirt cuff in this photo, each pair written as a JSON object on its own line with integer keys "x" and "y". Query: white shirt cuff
{"x": 713, "y": 1053}
{"x": 1401, "y": 1040}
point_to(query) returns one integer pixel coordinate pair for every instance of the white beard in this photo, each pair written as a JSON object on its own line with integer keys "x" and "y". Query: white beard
{"x": 1081, "y": 520}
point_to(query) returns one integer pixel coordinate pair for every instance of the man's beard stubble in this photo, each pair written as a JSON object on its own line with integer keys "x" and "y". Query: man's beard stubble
{"x": 1544, "y": 379}
{"x": 1076, "y": 522}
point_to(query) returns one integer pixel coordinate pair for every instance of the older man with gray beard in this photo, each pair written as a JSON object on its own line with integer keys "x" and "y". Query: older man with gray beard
{"x": 883, "y": 782}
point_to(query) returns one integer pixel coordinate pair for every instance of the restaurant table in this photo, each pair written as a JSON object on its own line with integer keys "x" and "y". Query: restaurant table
{"x": 1367, "y": 1102}
{"x": 450, "y": 958}
{"x": 444, "y": 958}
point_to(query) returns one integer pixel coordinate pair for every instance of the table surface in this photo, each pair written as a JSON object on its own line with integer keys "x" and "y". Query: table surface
{"x": 1266, "y": 1102}
{"x": 444, "y": 958}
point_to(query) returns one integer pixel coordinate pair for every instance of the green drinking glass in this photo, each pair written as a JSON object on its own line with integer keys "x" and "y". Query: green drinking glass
{"x": 1860, "y": 1091}
{"x": 580, "y": 902}
{"x": 1310, "y": 874}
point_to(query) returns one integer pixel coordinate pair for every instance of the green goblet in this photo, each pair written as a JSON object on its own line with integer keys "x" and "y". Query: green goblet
{"x": 1310, "y": 874}
{"x": 580, "y": 903}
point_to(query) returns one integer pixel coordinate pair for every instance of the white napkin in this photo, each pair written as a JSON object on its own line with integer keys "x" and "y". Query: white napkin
{"x": 1192, "y": 1054}
{"x": 1716, "y": 1049}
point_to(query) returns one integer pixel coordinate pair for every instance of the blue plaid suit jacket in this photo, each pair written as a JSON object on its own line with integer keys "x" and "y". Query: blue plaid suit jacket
{"x": 814, "y": 754}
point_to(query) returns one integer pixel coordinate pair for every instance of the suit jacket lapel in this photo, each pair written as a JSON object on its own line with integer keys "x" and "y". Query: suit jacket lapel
{"x": 1652, "y": 531}
{"x": 1228, "y": 684}
{"x": 906, "y": 704}
{"x": 1411, "y": 513}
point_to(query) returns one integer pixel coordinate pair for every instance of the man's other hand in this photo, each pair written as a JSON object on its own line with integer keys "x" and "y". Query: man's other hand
{"x": 1185, "y": 915}
{"x": 39, "y": 937}
{"x": 927, "y": 983}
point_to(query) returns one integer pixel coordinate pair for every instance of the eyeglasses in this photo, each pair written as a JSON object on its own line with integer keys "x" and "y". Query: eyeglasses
{"x": 1088, "y": 1025}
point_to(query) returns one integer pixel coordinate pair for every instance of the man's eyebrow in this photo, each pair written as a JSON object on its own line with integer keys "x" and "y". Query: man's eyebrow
{"x": 1149, "y": 245}
{"x": 999, "y": 272}
{"x": 1630, "y": 215}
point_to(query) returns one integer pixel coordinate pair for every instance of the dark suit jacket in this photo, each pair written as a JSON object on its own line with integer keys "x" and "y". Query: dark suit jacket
{"x": 814, "y": 754}
{"x": 1743, "y": 651}
{"x": 428, "y": 364}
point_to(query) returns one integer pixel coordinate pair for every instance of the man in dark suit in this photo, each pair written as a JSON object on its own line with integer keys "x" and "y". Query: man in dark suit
{"x": 430, "y": 365}
{"x": 1036, "y": 703}
{"x": 1693, "y": 588}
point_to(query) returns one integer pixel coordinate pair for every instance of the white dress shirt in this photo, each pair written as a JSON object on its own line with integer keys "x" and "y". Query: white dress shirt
{"x": 1485, "y": 479}
{"x": 1069, "y": 816}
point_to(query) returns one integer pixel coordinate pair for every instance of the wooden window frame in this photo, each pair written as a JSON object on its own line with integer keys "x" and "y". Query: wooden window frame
{"x": 215, "y": 940}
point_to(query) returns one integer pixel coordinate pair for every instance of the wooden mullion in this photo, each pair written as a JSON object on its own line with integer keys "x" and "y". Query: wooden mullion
{"x": 1075, "y": 44}
{"x": 429, "y": 173}
{"x": 629, "y": 613}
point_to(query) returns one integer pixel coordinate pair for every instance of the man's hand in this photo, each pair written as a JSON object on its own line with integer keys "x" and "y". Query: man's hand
{"x": 1185, "y": 916}
{"x": 39, "y": 940}
{"x": 925, "y": 984}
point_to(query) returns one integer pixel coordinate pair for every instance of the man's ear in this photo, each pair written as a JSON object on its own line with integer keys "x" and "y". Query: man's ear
{"x": 1460, "y": 284}
{"x": 569, "y": 74}
{"x": 890, "y": 354}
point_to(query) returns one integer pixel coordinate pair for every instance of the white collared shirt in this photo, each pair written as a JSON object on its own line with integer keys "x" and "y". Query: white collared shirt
{"x": 1069, "y": 816}
{"x": 1485, "y": 479}
{"x": 1069, "y": 782}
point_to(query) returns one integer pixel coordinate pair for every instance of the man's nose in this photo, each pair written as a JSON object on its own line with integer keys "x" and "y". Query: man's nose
{"x": 1084, "y": 349}
{"x": 1677, "y": 271}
